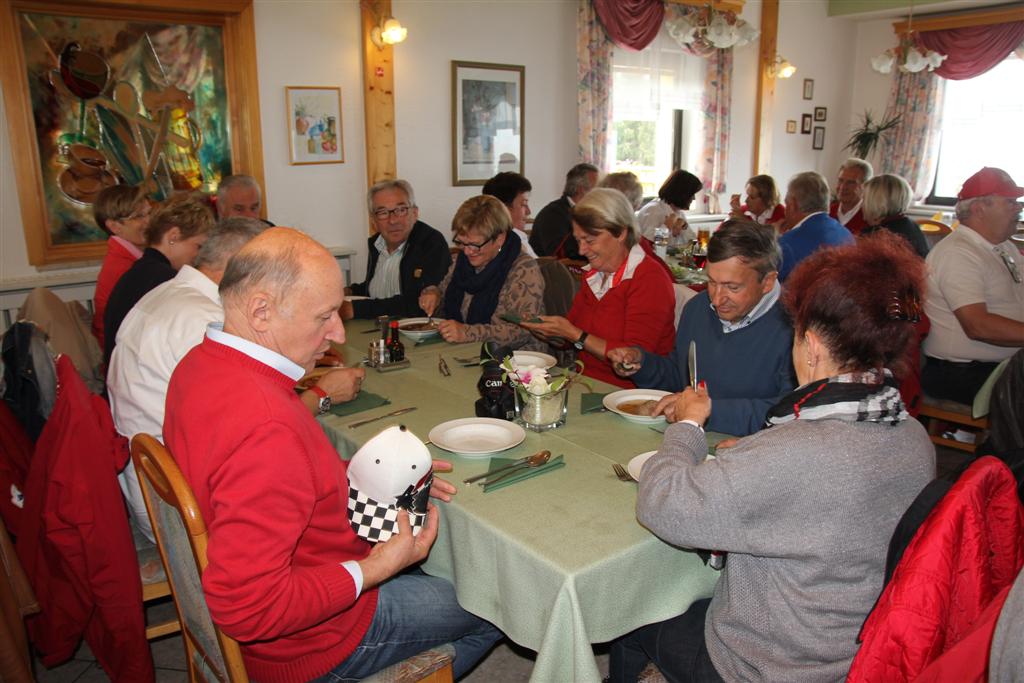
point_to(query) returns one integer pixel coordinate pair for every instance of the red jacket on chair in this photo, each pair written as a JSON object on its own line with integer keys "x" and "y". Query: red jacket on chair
{"x": 969, "y": 549}
{"x": 75, "y": 543}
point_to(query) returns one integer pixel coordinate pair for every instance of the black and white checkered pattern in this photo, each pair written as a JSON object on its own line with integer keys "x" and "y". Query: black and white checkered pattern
{"x": 374, "y": 521}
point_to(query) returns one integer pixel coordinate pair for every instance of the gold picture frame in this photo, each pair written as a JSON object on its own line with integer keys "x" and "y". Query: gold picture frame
{"x": 45, "y": 243}
{"x": 488, "y": 123}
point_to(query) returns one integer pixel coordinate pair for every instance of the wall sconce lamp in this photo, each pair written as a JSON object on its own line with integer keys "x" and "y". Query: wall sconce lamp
{"x": 389, "y": 32}
{"x": 780, "y": 68}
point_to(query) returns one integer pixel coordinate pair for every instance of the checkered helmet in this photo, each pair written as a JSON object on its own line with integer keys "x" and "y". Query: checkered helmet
{"x": 391, "y": 472}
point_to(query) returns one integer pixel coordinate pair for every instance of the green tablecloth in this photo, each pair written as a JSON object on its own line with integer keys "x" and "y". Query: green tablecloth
{"x": 557, "y": 561}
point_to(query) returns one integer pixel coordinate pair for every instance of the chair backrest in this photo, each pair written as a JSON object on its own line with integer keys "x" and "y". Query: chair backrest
{"x": 181, "y": 536}
{"x": 560, "y": 286}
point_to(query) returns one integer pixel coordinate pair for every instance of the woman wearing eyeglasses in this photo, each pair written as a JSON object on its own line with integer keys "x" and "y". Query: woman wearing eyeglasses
{"x": 626, "y": 298}
{"x": 491, "y": 276}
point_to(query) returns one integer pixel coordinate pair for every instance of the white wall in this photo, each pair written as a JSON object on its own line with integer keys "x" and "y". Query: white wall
{"x": 823, "y": 49}
{"x": 311, "y": 42}
{"x": 538, "y": 34}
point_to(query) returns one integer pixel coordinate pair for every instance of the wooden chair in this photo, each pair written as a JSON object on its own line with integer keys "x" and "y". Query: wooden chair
{"x": 17, "y": 601}
{"x": 560, "y": 286}
{"x": 973, "y": 416}
{"x": 182, "y": 538}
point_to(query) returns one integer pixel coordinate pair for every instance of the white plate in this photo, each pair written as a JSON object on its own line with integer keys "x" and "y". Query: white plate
{"x": 355, "y": 297}
{"x": 612, "y": 401}
{"x": 416, "y": 335}
{"x": 474, "y": 436}
{"x": 534, "y": 358}
{"x": 637, "y": 464}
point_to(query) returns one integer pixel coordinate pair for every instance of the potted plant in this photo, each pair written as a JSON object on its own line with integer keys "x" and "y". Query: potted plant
{"x": 540, "y": 403}
{"x": 865, "y": 138}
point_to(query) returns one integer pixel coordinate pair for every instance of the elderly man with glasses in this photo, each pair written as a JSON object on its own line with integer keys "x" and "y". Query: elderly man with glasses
{"x": 975, "y": 290}
{"x": 406, "y": 255}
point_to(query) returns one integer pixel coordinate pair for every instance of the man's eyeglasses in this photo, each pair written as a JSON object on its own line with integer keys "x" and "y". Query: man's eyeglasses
{"x": 398, "y": 212}
{"x": 469, "y": 246}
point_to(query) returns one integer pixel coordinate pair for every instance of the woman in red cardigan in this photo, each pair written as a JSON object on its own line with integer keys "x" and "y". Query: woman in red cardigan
{"x": 626, "y": 298}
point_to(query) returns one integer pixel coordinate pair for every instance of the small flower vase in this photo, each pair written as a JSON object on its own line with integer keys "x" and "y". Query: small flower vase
{"x": 540, "y": 412}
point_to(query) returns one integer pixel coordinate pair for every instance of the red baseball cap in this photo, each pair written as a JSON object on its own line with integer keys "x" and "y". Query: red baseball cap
{"x": 990, "y": 181}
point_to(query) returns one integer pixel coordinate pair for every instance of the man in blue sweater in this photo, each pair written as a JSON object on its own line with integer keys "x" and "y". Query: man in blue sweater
{"x": 742, "y": 336}
{"x": 807, "y": 207}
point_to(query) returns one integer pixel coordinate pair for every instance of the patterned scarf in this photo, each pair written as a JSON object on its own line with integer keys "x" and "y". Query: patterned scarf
{"x": 870, "y": 396}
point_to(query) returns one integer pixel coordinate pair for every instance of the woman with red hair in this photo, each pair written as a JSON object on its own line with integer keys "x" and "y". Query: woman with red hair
{"x": 804, "y": 508}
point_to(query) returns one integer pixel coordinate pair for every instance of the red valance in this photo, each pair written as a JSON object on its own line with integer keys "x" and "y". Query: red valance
{"x": 972, "y": 50}
{"x": 631, "y": 24}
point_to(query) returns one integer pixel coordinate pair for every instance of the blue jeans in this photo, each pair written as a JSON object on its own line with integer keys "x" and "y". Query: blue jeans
{"x": 676, "y": 647}
{"x": 414, "y": 613}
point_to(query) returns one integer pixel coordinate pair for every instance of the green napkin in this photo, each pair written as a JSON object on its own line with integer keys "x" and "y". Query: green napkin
{"x": 515, "y": 318}
{"x": 591, "y": 402}
{"x": 519, "y": 475}
{"x": 364, "y": 400}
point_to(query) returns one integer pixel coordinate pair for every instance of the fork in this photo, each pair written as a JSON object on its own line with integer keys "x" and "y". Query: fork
{"x": 621, "y": 472}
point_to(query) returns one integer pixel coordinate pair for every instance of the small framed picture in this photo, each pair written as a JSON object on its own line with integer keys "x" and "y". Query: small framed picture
{"x": 314, "y": 125}
{"x": 818, "y": 142}
{"x": 791, "y": 126}
{"x": 805, "y": 124}
{"x": 487, "y": 120}
{"x": 819, "y": 113}
{"x": 808, "y": 89}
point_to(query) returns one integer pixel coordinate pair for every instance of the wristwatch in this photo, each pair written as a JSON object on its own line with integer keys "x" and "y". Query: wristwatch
{"x": 324, "y": 404}
{"x": 579, "y": 342}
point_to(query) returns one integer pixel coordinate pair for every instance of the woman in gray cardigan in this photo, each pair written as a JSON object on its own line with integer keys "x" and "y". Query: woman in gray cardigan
{"x": 804, "y": 508}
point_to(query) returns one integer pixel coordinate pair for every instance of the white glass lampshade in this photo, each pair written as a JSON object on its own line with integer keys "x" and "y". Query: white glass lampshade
{"x": 393, "y": 31}
{"x": 914, "y": 62}
{"x": 682, "y": 31}
{"x": 884, "y": 62}
{"x": 721, "y": 34}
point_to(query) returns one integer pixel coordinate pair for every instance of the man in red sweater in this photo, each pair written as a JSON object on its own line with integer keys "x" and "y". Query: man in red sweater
{"x": 848, "y": 208}
{"x": 288, "y": 577}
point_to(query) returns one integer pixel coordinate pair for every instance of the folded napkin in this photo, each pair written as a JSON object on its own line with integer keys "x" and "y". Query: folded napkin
{"x": 591, "y": 402}
{"x": 364, "y": 400}
{"x": 519, "y": 475}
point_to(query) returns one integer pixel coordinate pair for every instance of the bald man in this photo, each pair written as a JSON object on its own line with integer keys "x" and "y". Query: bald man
{"x": 288, "y": 577}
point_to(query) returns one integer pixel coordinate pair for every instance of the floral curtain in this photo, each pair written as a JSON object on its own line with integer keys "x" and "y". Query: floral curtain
{"x": 912, "y": 151}
{"x": 972, "y": 50}
{"x": 593, "y": 94}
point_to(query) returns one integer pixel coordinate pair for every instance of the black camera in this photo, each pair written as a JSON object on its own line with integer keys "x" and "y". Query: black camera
{"x": 497, "y": 397}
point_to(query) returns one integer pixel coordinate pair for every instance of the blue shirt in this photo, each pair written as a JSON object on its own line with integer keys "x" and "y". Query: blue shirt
{"x": 811, "y": 234}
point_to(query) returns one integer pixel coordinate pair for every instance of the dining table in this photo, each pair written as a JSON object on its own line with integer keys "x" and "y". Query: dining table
{"x": 557, "y": 561}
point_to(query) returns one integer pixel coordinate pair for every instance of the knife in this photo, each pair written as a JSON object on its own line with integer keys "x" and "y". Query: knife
{"x": 393, "y": 413}
{"x": 693, "y": 364}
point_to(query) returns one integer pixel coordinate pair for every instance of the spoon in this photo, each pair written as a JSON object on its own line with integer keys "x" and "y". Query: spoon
{"x": 535, "y": 460}
{"x": 518, "y": 463}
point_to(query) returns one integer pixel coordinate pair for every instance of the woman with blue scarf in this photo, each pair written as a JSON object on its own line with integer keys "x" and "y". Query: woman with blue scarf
{"x": 491, "y": 276}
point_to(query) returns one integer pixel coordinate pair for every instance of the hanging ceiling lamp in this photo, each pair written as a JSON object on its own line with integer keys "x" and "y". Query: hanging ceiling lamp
{"x": 907, "y": 55}
{"x": 713, "y": 28}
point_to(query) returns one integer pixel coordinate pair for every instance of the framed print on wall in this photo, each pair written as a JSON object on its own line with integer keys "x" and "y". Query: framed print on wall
{"x": 818, "y": 141}
{"x": 805, "y": 124}
{"x": 808, "y": 89}
{"x": 487, "y": 120}
{"x": 819, "y": 113}
{"x": 314, "y": 125}
{"x": 96, "y": 95}
{"x": 791, "y": 126}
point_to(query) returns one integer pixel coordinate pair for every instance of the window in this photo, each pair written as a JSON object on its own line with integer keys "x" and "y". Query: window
{"x": 981, "y": 126}
{"x": 649, "y": 89}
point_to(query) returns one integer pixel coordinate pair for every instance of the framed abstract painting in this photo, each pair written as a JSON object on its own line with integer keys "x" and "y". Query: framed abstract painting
{"x": 314, "y": 125}
{"x": 101, "y": 93}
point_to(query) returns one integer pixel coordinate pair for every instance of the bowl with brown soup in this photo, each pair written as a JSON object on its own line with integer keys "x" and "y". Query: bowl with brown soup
{"x": 636, "y": 405}
{"x": 418, "y": 329}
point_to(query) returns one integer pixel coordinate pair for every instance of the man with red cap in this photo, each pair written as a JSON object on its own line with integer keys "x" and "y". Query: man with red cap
{"x": 975, "y": 290}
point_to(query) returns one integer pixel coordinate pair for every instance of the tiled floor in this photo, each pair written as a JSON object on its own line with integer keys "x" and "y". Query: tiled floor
{"x": 508, "y": 663}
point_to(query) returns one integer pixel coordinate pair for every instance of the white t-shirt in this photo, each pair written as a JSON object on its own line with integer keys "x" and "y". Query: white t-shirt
{"x": 653, "y": 214}
{"x": 964, "y": 268}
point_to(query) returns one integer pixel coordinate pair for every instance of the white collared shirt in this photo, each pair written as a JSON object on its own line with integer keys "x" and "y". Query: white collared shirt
{"x": 762, "y": 307}
{"x": 157, "y": 333}
{"x": 845, "y": 216}
{"x": 387, "y": 277}
{"x": 215, "y": 332}
{"x": 804, "y": 219}
{"x": 600, "y": 283}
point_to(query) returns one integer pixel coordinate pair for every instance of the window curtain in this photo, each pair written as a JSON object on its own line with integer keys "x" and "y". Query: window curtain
{"x": 715, "y": 106}
{"x": 912, "y": 151}
{"x": 631, "y": 24}
{"x": 972, "y": 50}
{"x": 593, "y": 95}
